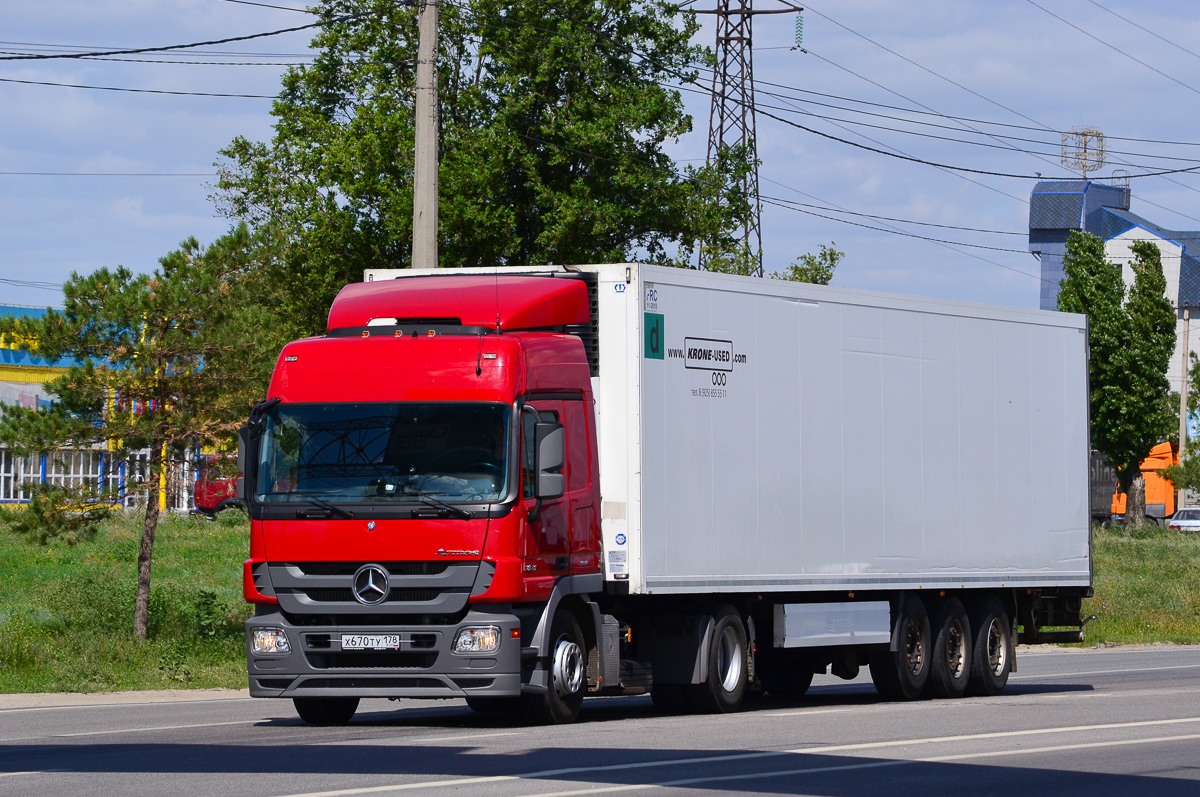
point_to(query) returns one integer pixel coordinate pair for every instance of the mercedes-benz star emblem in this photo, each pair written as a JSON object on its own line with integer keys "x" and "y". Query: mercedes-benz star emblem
{"x": 370, "y": 585}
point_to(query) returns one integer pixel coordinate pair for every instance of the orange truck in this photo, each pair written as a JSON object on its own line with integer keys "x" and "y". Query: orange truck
{"x": 1160, "y": 493}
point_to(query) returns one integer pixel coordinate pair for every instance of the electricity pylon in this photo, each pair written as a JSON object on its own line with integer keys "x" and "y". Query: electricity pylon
{"x": 731, "y": 122}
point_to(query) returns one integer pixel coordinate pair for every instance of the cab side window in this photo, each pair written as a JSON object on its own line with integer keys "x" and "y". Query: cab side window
{"x": 528, "y": 477}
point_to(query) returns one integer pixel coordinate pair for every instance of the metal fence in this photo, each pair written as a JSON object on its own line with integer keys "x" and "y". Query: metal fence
{"x": 79, "y": 467}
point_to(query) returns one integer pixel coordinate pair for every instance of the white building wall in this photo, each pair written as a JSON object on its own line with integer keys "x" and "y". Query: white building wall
{"x": 1118, "y": 250}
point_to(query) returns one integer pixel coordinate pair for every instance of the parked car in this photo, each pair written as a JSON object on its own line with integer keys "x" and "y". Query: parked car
{"x": 216, "y": 485}
{"x": 1185, "y": 520}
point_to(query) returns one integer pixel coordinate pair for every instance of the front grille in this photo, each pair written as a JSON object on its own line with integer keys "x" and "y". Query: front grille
{"x": 371, "y": 659}
{"x": 372, "y": 683}
{"x": 350, "y": 568}
{"x": 410, "y": 595}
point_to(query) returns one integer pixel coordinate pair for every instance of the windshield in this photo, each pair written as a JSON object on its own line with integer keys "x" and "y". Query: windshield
{"x": 384, "y": 453}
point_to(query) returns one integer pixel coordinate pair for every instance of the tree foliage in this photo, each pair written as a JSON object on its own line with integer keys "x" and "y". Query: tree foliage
{"x": 1131, "y": 340}
{"x": 164, "y": 361}
{"x": 554, "y": 119}
{"x": 813, "y": 268}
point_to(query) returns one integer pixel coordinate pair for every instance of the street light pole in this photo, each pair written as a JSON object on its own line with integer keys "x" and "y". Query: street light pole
{"x": 425, "y": 170}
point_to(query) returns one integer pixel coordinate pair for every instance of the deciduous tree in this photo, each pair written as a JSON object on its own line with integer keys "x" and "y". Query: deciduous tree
{"x": 1131, "y": 341}
{"x": 165, "y": 361}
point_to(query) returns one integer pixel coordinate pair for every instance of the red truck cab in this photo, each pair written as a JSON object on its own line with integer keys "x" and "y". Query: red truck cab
{"x": 214, "y": 490}
{"x": 423, "y": 497}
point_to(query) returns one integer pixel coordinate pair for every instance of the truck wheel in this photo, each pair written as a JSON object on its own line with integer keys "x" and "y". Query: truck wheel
{"x": 950, "y": 664}
{"x": 991, "y": 661}
{"x": 671, "y": 698}
{"x": 326, "y": 710}
{"x": 494, "y": 705}
{"x": 784, "y": 674}
{"x": 902, "y": 674}
{"x": 725, "y": 686}
{"x": 568, "y": 675}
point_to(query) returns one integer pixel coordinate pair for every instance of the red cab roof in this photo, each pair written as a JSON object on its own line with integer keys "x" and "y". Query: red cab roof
{"x": 476, "y": 300}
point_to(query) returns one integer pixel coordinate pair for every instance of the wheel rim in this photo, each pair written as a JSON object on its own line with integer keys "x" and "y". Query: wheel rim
{"x": 568, "y": 667}
{"x": 997, "y": 650}
{"x": 914, "y": 647}
{"x": 729, "y": 659}
{"x": 956, "y": 649}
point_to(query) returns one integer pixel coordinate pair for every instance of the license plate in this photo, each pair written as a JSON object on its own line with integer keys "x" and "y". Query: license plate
{"x": 370, "y": 641}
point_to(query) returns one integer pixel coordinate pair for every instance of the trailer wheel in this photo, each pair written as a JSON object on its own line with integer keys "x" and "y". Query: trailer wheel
{"x": 991, "y": 662}
{"x": 950, "y": 664}
{"x": 325, "y": 710}
{"x": 784, "y": 674}
{"x": 568, "y": 675}
{"x": 902, "y": 674}
{"x": 725, "y": 686}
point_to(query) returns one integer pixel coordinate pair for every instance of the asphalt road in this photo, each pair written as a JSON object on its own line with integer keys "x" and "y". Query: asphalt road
{"x": 1120, "y": 721}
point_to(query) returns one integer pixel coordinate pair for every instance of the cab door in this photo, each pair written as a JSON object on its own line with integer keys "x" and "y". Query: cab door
{"x": 547, "y": 547}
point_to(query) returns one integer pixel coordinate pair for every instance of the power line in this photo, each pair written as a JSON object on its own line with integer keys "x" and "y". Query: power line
{"x": 108, "y": 174}
{"x": 1114, "y": 48}
{"x": 268, "y": 5}
{"x": 164, "y": 48}
{"x": 42, "y": 286}
{"x": 138, "y": 91}
{"x": 1129, "y": 21}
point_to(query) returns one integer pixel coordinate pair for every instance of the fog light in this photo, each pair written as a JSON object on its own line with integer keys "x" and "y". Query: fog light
{"x": 479, "y": 639}
{"x": 269, "y": 640}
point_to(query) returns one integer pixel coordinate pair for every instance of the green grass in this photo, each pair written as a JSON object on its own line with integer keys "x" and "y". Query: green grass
{"x": 66, "y": 612}
{"x": 1147, "y": 583}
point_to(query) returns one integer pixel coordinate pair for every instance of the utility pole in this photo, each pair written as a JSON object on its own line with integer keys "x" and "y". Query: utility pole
{"x": 731, "y": 121}
{"x": 425, "y": 170}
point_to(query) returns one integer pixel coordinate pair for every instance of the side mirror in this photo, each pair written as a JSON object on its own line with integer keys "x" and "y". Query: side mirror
{"x": 550, "y": 443}
{"x": 242, "y": 460}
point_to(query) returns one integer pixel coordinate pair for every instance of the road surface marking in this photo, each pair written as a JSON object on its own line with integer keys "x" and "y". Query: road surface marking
{"x": 1104, "y": 672}
{"x": 128, "y": 730}
{"x": 848, "y": 767}
{"x": 625, "y": 767}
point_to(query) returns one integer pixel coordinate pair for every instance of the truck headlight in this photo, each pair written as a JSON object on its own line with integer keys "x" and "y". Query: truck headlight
{"x": 269, "y": 640}
{"x": 477, "y": 639}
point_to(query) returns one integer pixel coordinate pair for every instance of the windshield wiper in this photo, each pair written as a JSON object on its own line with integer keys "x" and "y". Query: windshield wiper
{"x": 321, "y": 502}
{"x": 430, "y": 500}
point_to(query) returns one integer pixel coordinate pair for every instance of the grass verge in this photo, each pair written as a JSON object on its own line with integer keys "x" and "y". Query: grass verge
{"x": 1147, "y": 583}
{"x": 66, "y": 612}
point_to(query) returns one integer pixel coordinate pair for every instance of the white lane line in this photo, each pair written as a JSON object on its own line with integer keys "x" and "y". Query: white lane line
{"x": 865, "y": 765}
{"x": 1104, "y": 672}
{"x": 799, "y": 712}
{"x": 158, "y": 703}
{"x": 400, "y": 741}
{"x": 625, "y": 767}
{"x": 129, "y": 730}
{"x": 32, "y": 772}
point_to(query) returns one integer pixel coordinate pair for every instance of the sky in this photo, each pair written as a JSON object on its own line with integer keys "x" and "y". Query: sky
{"x": 92, "y": 178}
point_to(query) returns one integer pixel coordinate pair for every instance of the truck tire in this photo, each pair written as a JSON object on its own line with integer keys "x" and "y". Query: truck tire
{"x": 902, "y": 674}
{"x": 325, "y": 710}
{"x": 567, "y": 677}
{"x": 950, "y": 664}
{"x": 991, "y": 661}
{"x": 784, "y": 673}
{"x": 722, "y": 691}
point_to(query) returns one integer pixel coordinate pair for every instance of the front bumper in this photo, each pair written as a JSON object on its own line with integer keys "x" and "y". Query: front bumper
{"x": 423, "y": 666}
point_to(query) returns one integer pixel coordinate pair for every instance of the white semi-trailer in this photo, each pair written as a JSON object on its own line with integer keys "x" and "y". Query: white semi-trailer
{"x": 791, "y": 479}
